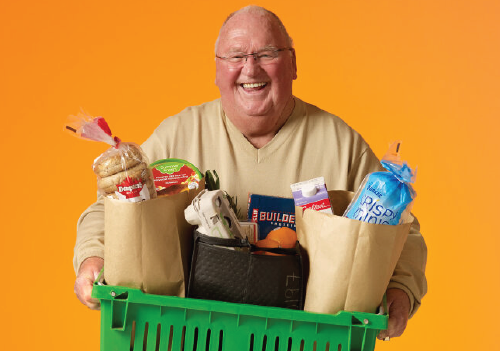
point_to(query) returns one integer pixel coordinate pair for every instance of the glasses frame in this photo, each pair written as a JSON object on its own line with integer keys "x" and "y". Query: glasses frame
{"x": 254, "y": 54}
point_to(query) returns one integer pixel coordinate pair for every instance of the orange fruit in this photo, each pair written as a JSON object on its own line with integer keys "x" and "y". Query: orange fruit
{"x": 285, "y": 237}
{"x": 267, "y": 243}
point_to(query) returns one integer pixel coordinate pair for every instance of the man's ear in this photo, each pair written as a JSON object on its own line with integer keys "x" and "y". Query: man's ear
{"x": 294, "y": 64}
{"x": 216, "y": 75}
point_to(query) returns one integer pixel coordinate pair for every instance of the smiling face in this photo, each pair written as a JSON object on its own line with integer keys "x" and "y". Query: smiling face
{"x": 256, "y": 98}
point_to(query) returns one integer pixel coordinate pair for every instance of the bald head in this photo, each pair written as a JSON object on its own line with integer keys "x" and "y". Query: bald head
{"x": 260, "y": 12}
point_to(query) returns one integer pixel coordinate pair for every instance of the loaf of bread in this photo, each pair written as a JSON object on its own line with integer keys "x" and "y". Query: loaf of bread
{"x": 123, "y": 173}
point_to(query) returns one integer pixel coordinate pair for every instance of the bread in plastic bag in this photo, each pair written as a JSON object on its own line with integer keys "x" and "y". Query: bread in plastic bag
{"x": 123, "y": 174}
{"x": 122, "y": 171}
{"x": 385, "y": 197}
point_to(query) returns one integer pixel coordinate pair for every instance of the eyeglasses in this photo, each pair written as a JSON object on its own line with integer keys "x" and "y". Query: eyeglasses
{"x": 264, "y": 57}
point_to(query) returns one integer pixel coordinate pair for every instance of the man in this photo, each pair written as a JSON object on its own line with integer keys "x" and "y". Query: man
{"x": 260, "y": 139}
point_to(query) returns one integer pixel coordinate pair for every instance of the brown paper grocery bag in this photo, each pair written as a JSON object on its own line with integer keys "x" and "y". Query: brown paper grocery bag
{"x": 147, "y": 245}
{"x": 350, "y": 262}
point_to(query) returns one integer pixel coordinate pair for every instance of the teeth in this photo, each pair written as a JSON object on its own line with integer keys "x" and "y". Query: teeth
{"x": 253, "y": 85}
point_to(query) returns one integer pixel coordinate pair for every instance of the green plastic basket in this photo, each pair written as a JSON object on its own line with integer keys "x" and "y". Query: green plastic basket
{"x": 133, "y": 320}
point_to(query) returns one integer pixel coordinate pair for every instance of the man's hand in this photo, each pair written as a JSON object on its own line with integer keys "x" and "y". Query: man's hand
{"x": 87, "y": 274}
{"x": 398, "y": 305}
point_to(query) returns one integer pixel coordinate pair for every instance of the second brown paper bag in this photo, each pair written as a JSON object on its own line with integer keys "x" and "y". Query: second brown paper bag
{"x": 148, "y": 244}
{"x": 350, "y": 262}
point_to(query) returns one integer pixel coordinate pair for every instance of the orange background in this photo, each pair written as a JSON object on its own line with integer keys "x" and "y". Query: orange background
{"x": 426, "y": 72}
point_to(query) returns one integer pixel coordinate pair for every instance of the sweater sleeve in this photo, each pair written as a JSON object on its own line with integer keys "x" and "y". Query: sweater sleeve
{"x": 89, "y": 234}
{"x": 409, "y": 274}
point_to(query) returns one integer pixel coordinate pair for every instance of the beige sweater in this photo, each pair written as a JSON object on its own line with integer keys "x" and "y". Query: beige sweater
{"x": 312, "y": 143}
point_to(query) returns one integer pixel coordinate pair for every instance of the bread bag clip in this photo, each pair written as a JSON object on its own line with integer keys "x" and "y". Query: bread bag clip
{"x": 122, "y": 171}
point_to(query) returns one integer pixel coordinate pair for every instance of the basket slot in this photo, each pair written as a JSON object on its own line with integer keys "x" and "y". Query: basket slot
{"x": 271, "y": 344}
{"x": 279, "y": 345}
{"x": 207, "y": 343}
{"x": 264, "y": 343}
{"x": 214, "y": 340}
{"x": 296, "y": 344}
{"x": 202, "y": 339}
{"x": 167, "y": 336}
{"x": 178, "y": 339}
{"x": 138, "y": 337}
{"x": 119, "y": 314}
{"x": 191, "y": 339}
{"x": 152, "y": 337}
{"x": 132, "y": 336}
{"x": 195, "y": 339}
{"x": 258, "y": 342}
{"x": 221, "y": 340}
{"x": 158, "y": 337}
{"x": 334, "y": 337}
{"x": 146, "y": 337}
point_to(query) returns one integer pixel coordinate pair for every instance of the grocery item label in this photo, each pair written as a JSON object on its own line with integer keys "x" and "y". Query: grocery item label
{"x": 270, "y": 212}
{"x": 169, "y": 168}
{"x": 174, "y": 175}
{"x": 132, "y": 190}
{"x": 382, "y": 199}
{"x": 371, "y": 210}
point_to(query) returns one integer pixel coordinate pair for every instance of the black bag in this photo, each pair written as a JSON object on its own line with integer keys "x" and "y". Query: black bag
{"x": 242, "y": 276}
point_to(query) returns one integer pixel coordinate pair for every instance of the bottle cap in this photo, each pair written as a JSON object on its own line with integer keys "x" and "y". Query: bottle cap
{"x": 309, "y": 190}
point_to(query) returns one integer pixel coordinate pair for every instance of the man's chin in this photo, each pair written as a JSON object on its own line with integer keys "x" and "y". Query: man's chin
{"x": 255, "y": 108}
{"x": 256, "y": 113}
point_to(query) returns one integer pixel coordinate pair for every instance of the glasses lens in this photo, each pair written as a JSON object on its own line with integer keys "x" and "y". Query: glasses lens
{"x": 267, "y": 56}
{"x": 236, "y": 58}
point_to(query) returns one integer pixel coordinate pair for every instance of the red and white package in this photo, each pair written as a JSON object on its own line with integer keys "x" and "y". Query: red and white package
{"x": 312, "y": 194}
{"x": 122, "y": 171}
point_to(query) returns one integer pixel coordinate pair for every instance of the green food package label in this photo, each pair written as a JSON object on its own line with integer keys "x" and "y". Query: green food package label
{"x": 174, "y": 175}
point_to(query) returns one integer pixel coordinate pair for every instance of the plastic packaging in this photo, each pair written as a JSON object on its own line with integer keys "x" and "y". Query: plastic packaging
{"x": 122, "y": 170}
{"x": 385, "y": 197}
{"x": 173, "y": 175}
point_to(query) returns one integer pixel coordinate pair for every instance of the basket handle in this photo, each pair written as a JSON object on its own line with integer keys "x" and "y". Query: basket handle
{"x": 100, "y": 278}
{"x": 382, "y": 310}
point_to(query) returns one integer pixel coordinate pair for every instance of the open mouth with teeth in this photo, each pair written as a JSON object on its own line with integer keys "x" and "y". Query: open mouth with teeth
{"x": 253, "y": 86}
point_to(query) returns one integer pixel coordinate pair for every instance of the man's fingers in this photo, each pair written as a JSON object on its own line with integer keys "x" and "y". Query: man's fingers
{"x": 91, "y": 303}
{"x": 382, "y": 335}
{"x": 398, "y": 305}
{"x": 397, "y": 323}
{"x": 87, "y": 274}
{"x": 83, "y": 291}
